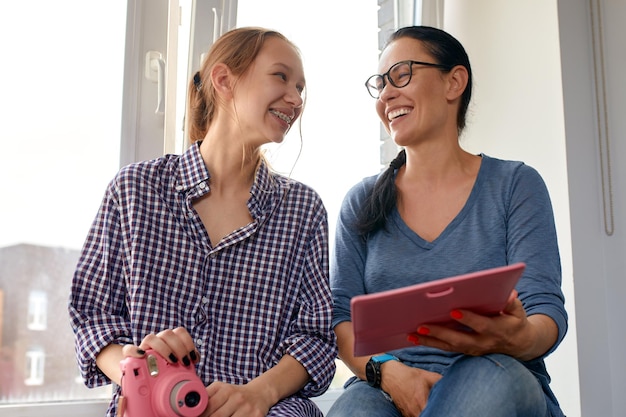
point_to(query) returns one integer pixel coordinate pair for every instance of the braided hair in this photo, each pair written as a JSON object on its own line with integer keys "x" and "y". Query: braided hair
{"x": 382, "y": 200}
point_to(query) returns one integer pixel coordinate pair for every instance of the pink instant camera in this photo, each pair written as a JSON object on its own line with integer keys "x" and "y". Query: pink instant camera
{"x": 153, "y": 387}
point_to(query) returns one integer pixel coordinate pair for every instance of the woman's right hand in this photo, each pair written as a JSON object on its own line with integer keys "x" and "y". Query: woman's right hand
{"x": 175, "y": 345}
{"x": 408, "y": 387}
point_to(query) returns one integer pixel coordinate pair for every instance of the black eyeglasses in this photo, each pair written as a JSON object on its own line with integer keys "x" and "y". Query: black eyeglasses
{"x": 399, "y": 75}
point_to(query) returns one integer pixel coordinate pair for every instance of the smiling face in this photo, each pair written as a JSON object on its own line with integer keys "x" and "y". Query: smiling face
{"x": 268, "y": 98}
{"x": 420, "y": 110}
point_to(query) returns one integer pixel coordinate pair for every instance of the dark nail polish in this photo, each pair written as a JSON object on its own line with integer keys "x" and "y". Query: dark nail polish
{"x": 141, "y": 351}
{"x": 193, "y": 355}
{"x": 173, "y": 358}
{"x": 186, "y": 361}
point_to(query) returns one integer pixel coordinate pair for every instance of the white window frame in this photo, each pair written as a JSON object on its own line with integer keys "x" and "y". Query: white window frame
{"x": 37, "y": 311}
{"x": 146, "y": 132}
{"x": 150, "y": 112}
{"x": 35, "y": 366}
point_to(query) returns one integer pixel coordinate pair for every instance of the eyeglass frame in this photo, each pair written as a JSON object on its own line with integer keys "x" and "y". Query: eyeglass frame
{"x": 386, "y": 74}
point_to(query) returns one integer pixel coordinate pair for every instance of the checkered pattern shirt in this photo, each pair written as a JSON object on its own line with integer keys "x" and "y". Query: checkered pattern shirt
{"x": 261, "y": 293}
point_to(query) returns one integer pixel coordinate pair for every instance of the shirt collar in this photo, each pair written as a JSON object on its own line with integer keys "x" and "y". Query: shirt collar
{"x": 191, "y": 170}
{"x": 266, "y": 191}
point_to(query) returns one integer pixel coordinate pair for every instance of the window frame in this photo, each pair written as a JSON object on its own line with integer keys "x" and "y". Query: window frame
{"x": 37, "y": 311}
{"x": 146, "y": 134}
{"x": 35, "y": 362}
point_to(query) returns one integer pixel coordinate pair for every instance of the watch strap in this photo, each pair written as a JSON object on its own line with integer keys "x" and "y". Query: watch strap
{"x": 373, "y": 372}
{"x": 383, "y": 358}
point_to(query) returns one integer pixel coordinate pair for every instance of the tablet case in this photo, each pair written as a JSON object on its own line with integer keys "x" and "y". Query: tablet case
{"x": 382, "y": 321}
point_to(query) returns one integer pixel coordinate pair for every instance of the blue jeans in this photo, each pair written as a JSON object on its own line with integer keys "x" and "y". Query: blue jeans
{"x": 483, "y": 386}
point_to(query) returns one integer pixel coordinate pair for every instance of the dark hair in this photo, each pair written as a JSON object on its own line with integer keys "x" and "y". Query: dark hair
{"x": 238, "y": 49}
{"x": 448, "y": 51}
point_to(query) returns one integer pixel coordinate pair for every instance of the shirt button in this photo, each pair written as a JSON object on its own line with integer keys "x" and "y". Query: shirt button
{"x": 205, "y": 300}
{"x": 179, "y": 188}
{"x": 202, "y": 185}
{"x": 199, "y": 342}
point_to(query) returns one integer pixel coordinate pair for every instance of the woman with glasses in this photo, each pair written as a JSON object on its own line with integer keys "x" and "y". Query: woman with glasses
{"x": 210, "y": 258}
{"x": 439, "y": 211}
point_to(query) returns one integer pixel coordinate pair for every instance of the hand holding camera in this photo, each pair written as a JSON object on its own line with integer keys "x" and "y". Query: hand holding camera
{"x": 152, "y": 386}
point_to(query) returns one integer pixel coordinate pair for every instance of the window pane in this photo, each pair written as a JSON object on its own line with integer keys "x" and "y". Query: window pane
{"x": 60, "y": 112}
{"x": 340, "y": 129}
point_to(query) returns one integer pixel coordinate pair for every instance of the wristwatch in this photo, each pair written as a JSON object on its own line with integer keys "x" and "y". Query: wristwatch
{"x": 372, "y": 368}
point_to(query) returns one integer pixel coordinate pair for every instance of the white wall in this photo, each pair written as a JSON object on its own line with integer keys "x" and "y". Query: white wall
{"x": 598, "y": 258}
{"x": 517, "y": 113}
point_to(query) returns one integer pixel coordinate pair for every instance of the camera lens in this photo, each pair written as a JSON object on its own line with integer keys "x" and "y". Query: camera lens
{"x": 192, "y": 399}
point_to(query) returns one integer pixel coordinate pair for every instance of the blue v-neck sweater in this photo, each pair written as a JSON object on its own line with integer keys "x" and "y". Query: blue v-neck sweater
{"x": 507, "y": 218}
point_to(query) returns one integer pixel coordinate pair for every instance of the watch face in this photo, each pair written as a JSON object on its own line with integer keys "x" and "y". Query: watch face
{"x": 370, "y": 373}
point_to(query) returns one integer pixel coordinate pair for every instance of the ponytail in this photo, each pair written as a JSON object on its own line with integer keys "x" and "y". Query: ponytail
{"x": 199, "y": 110}
{"x": 381, "y": 201}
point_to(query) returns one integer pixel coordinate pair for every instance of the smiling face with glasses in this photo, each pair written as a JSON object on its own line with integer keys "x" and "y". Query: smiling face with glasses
{"x": 399, "y": 75}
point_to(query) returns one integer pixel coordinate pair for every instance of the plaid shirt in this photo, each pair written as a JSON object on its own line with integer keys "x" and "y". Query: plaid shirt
{"x": 261, "y": 293}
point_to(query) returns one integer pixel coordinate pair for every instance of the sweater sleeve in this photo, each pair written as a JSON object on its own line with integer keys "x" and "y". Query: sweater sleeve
{"x": 349, "y": 255}
{"x": 532, "y": 238}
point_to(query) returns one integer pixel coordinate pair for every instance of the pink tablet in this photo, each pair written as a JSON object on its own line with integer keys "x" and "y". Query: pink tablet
{"x": 382, "y": 320}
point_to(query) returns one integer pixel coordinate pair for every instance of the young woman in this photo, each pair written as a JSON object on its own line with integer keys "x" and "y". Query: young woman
{"x": 209, "y": 257}
{"x": 440, "y": 211}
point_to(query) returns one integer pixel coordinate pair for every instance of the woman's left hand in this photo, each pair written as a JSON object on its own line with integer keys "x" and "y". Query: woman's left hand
{"x": 235, "y": 400}
{"x": 511, "y": 332}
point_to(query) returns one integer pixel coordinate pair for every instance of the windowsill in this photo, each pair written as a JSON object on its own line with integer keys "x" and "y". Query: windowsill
{"x": 97, "y": 408}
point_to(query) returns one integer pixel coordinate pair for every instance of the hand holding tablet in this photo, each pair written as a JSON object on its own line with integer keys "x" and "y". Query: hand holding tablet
{"x": 382, "y": 321}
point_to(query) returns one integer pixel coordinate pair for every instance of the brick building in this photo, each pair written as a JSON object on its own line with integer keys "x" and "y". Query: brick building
{"x": 37, "y": 361}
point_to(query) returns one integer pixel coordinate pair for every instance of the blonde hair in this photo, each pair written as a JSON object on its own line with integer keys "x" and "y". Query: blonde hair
{"x": 237, "y": 49}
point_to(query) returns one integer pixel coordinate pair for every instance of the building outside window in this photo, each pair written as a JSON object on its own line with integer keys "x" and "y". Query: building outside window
{"x": 61, "y": 112}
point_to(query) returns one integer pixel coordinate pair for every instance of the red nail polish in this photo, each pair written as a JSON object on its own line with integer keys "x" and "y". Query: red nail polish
{"x": 413, "y": 339}
{"x": 423, "y": 330}
{"x": 456, "y": 314}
